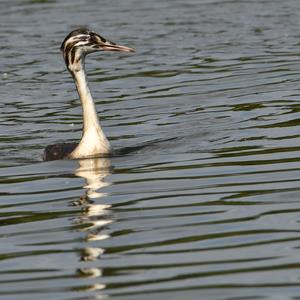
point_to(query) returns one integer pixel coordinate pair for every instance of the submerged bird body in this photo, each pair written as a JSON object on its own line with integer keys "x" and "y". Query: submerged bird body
{"x": 59, "y": 151}
{"x": 93, "y": 142}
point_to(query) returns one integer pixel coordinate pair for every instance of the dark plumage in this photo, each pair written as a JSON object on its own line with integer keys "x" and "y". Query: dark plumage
{"x": 58, "y": 151}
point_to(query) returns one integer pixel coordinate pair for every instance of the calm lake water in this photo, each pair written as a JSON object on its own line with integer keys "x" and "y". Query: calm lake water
{"x": 209, "y": 208}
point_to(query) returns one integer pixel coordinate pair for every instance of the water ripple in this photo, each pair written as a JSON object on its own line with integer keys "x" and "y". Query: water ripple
{"x": 207, "y": 206}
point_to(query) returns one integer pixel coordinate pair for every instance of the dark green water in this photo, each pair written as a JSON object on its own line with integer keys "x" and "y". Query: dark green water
{"x": 209, "y": 208}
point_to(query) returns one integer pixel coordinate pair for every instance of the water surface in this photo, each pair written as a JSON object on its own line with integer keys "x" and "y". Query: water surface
{"x": 209, "y": 208}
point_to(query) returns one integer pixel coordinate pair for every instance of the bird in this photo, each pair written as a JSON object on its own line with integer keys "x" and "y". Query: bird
{"x": 93, "y": 143}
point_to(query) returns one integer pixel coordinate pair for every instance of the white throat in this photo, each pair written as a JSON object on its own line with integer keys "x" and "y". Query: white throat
{"x": 93, "y": 141}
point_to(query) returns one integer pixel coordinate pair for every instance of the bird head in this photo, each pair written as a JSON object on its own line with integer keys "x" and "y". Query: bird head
{"x": 83, "y": 41}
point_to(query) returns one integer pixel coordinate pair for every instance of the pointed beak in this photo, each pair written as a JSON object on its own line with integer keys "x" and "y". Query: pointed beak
{"x": 110, "y": 46}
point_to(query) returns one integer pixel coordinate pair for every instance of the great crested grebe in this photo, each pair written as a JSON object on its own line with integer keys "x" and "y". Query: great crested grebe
{"x": 75, "y": 47}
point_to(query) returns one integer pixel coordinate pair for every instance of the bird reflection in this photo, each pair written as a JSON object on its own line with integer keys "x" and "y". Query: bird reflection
{"x": 94, "y": 171}
{"x": 95, "y": 216}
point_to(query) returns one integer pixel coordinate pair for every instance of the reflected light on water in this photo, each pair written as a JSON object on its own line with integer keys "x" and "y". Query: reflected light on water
{"x": 94, "y": 171}
{"x": 95, "y": 215}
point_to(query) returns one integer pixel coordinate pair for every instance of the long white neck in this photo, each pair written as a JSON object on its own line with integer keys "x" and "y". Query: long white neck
{"x": 93, "y": 141}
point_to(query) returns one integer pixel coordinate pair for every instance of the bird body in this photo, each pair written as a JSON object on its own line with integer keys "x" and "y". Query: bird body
{"x": 58, "y": 151}
{"x": 93, "y": 142}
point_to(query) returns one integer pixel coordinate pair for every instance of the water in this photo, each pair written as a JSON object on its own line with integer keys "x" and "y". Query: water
{"x": 209, "y": 208}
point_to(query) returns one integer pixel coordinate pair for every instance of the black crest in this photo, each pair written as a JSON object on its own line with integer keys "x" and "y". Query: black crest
{"x": 82, "y": 30}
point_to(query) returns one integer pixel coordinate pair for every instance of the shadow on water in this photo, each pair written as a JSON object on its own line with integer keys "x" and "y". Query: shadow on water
{"x": 143, "y": 147}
